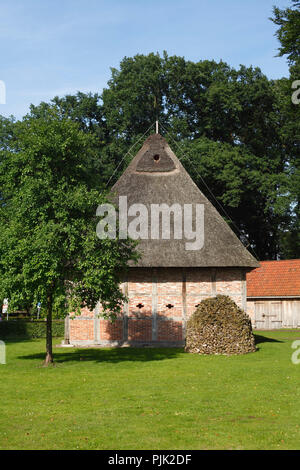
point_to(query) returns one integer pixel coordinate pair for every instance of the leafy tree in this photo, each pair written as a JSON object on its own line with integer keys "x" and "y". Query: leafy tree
{"x": 134, "y": 97}
{"x": 240, "y": 183}
{"x": 223, "y": 117}
{"x": 48, "y": 243}
{"x": 87, "y": 111}
{"x": 6, "y": 131}
{"x": 203, "y": 100}
{"x": 289, "y": 132}
{"x": 217, "y": 112}
{"x": 83, "y": 108}
{"x": 288, "y": 32}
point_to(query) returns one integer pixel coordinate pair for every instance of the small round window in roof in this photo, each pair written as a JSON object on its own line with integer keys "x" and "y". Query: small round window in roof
{"x": 155, "y": 159}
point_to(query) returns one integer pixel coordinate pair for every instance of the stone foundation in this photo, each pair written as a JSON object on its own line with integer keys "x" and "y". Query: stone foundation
{"x": 160, "y": 300}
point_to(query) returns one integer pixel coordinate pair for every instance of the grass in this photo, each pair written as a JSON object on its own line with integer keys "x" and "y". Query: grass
{"x": 151, "y": 398}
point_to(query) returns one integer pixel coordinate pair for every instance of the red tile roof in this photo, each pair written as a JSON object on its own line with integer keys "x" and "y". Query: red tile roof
{"x": 274, "y": 278}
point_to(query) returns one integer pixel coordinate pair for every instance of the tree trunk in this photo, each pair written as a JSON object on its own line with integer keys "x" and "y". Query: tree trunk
{"x": 49, "y": 353}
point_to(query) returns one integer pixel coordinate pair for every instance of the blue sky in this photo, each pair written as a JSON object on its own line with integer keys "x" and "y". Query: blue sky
{"x": 54, "y": 47}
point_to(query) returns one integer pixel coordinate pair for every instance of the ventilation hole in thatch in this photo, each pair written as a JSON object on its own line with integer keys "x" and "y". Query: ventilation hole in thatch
{"x": 140, "y": 305}
{"x": 169, "y": 306}
{"x": 156, "y": 158}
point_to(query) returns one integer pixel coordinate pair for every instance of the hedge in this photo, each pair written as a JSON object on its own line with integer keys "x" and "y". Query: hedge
{"x": 27, "y": 329}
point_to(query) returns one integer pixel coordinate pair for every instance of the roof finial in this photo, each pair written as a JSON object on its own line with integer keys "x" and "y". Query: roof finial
{"x": 156, "y": 126}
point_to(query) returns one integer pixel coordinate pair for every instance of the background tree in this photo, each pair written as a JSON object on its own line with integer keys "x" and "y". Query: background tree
{"x": 48, "y": 243}
{"x": 288, "y": 35}
{"x": 209, "y": 108}
{"x": 232, "y": 112}
{"x": 239, "y": 128}
{"x": 288, "y": 32}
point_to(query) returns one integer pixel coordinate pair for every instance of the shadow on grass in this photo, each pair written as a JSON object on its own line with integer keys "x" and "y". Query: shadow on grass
{"x": 264, "y": 339}
{"x": 116, "y": 355}
{"x": 22, "y": 340}
{"x": 111, "y": 355}
{"x": 17, "y": 340}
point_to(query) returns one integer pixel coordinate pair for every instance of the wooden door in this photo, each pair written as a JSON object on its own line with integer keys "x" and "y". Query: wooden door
{"x": 275, "y": 314}
{"x": 268, "y": 314}
{"x": 261, "y": 316}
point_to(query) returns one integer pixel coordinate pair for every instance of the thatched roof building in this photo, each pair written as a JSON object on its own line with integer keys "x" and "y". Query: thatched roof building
{"x": 156, "y": 176}
{"x": 174, "y": 272}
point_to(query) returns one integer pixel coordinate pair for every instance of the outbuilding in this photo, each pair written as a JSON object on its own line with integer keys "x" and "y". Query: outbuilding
{"x": 273, "y": 294}
{"x": 188, "y": 253}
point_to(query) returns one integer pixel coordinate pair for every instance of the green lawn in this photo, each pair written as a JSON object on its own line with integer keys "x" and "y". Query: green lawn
{"x": 151, "y": 398}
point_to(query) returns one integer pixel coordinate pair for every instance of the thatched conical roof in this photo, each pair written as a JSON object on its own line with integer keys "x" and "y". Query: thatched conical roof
{"x": 156, "y": 176}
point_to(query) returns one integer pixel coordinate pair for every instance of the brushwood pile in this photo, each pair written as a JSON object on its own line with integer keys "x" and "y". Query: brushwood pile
{"x": 219, "y": 326}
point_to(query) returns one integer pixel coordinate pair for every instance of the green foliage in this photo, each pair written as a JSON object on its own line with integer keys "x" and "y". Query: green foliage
{"x": 135, "y": 95}
{"x": 240, "y": 130}
{"x": 288, "y": 32}
{"x": 288, "y": 35}
{"x": 49, "y": 199}
{"x": 25, "y": 329}
{"x": 50, "y": 191}
{"x": 6, "y": 132}
{"x": 229, "y": 122}
{"x": 219, "y": 326}
{"x": 255, "y": 193}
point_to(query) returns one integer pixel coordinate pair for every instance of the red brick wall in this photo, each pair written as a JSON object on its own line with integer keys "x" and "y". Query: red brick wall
{"x": 169, "y": 330}
{"x": 139, "y": 330}
{"x": 160, "y": 300}
{"x": 81, "y": 330}
{"x": 111, "y": 331}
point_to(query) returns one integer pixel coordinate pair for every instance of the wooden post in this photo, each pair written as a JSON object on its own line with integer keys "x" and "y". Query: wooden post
{"x": 184, "y": 308}
{"x": 154, "y": 305}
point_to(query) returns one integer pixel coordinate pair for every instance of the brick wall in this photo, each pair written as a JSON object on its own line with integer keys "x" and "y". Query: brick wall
{"x": 140, "y": 329}
{"x": 160, "y": 300}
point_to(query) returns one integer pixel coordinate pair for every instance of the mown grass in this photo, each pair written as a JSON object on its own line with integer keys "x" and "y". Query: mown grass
{"x": 151, "y": 398}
